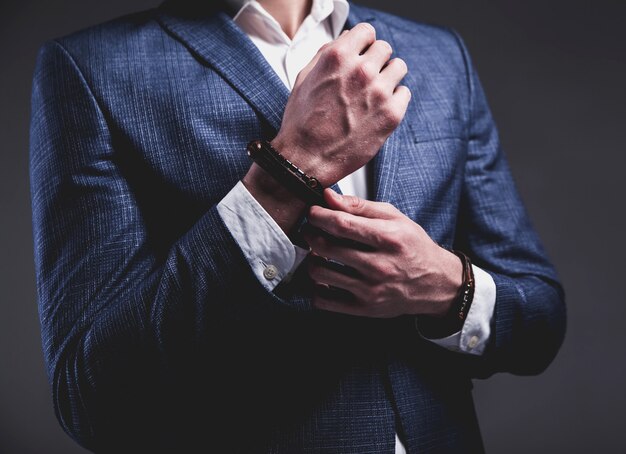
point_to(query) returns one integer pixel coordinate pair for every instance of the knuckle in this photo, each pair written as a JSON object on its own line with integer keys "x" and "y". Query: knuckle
{"x": 332, "y": 55}
{"x": 388, "y": 270}
{"x": 401, "y": 64}
{"x": 378, "y": 270}
{"x": 404, "y": 89}
{"x": 387, "y": 206}
{"x": 377, "y": 295}
{"x": 355, "y": 203}
{"x": 315, "y": 211}
{"x": 345, "y": 224}
{"x": 394, "y": 241}
{"x": 363, "y": 73}
{"x": 386, "y": 46}
{"x": 389, "y": 120}
{"x": 390, "y": 241}
{"x": 379, "y": 239}
{"x": 379, "y": 94}
{"x": 393, "y": 117}
{"x": 391, "y": 210}
{"x": 405, "y": 92}
{"x": 368, "y": 29}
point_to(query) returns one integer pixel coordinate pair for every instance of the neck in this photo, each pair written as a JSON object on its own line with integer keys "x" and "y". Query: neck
{"x": 288, "y": 13}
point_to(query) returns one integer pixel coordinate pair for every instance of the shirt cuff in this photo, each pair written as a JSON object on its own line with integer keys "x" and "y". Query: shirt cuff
{"x": 271, "y": 255}
{"x": 474, "y": 335}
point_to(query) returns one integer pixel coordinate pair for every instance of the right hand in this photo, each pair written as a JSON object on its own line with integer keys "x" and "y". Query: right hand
{"x": 344, "y": 105}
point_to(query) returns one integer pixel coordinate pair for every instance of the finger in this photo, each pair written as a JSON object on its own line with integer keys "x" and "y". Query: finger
{"x": 326, "y": 275}
{"x": 336, "y": 240}
{"x": 361, "y": 261}
{"x": 394, "y": 72}
{"x": 360, "y": 207}
{"x": 401, "y": 98}
{"x": 379, "y": 53}
{"x": 336, "y": 266}
{"x": 359, "y": 38}
{"x": 371, "y": 232}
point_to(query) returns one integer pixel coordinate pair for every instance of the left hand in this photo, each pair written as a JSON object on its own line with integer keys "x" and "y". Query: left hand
{"x": 403, "y": 271}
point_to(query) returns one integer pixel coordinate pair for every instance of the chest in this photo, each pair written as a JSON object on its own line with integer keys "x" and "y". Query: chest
{"x": 184, "y": 127}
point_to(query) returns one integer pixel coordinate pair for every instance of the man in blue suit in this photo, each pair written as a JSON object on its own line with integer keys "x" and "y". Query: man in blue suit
{"x": 192, "y": 301}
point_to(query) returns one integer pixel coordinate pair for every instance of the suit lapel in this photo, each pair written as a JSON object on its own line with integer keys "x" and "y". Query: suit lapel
{"x": 219, "y": 42}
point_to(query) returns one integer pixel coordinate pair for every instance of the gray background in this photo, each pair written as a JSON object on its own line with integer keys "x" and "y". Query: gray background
{"x": 554, "y": 73}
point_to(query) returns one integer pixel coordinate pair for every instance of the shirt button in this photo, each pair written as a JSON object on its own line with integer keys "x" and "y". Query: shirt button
{"x": 473, "y": 342}
{"x": 270, "y": 272}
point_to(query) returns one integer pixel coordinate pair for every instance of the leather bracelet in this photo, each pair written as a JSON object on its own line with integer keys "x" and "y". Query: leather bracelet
{"x": 466, "y": 292}
{"x": 453, "y": 321}
{"x": 305, "y": 187}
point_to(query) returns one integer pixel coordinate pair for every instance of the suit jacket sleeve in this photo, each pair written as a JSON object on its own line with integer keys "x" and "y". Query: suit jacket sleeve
{"x": 114, "y": 311}
{"x": 529, "y": 318}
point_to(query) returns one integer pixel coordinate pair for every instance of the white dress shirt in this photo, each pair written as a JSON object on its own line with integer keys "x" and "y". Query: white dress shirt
{"x": 267, "y": 248}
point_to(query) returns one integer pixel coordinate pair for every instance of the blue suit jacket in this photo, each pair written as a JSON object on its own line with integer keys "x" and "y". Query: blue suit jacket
{"x": 157, "y": 335}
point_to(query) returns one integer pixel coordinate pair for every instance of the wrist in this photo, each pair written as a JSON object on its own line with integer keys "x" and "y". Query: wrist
{"x": 281, "y": 204}
{"x": 307, "y": 161}
{"x": 451, "y": 315}
{"x": 261, "y": 182}
{"x": 451, "y": 282}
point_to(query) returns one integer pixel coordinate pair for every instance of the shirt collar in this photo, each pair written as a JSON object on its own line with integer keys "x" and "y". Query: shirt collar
{"x": 337, "y": 10}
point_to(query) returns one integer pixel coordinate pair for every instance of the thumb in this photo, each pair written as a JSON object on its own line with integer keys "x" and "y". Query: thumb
{"x": 348, "y": 203}
{"x": 359, "y": 207}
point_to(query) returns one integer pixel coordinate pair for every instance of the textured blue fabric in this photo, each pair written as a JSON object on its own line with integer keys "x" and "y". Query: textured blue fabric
{"x": 156, "y": 334}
